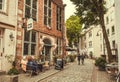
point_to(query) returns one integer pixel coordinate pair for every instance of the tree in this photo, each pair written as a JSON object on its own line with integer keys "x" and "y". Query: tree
{"x": 73, "y": 26}
{"x": 91, "y": 12}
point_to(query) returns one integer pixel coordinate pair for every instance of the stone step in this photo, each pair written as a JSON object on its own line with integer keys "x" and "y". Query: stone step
{"x": 2, "y": 72}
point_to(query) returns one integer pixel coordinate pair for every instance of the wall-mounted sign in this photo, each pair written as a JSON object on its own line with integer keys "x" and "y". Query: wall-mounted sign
{"x": 30, "y": 24}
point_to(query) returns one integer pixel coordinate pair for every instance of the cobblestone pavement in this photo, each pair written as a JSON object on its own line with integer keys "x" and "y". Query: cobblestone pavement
{"x": 71, "y": 73}
{"x": 74, "y": 73}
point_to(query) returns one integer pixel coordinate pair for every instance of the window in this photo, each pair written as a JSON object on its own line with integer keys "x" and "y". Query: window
{"x": 90, "y": 44}
{"x": 90, "y": 34}
{"x": 107, "y": 20}
{"x": 3, "y": 5}
{"x": 113, "y": 43}
{"x": 59, "y": 46}
{"x": 113, "y": 30}
{"x": 47, "y": 12}
{"x": 29, "y": 42}
{"x": 31, "y": 9}
{"x": 59, "y": 17}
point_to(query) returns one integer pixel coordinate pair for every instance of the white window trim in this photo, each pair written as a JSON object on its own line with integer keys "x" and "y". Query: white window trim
{"x": 30, "y": 11}
{"x": 48, "y": 26}
{"x": 4, "y": 6}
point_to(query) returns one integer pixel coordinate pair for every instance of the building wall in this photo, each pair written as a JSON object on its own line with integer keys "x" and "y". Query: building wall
{"x": 42, "y": 30}
{"x": 8, "y": 24}
{"x": 117, "y": 23}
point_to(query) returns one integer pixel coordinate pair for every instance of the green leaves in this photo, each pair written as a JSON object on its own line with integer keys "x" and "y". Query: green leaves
{"x": 73, "y": 29}
{"x": 89, "y": 11}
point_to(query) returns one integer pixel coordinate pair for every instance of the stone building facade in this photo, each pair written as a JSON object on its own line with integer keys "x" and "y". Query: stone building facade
{"x": 8, "y": 23}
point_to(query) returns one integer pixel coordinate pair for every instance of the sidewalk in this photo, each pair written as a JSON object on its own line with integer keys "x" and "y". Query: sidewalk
{"x": 101, "y": 76}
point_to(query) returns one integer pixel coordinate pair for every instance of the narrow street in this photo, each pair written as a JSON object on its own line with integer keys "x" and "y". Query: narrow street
{"x": 73, "y": 73}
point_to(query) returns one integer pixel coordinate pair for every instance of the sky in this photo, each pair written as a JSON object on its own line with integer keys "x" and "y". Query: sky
{"x": 69, "y": 9}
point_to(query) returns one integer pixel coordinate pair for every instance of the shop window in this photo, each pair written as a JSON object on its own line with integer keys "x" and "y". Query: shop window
{"x": 29, "y": 42}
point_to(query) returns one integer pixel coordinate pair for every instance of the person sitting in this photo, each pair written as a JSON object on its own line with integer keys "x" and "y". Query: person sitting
{"x": 24, "y": 64}
{"x": 32, "y": 65}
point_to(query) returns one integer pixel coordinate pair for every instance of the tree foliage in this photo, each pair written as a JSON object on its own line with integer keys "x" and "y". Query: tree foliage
{"x": 91, "y": 12}
{"x": 73, "y": 26}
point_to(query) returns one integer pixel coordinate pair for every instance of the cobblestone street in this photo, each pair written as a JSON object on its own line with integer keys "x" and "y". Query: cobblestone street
{"x": 74, "y": 73}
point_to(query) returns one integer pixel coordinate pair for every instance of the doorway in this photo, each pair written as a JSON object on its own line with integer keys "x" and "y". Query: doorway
{"x": 46, "y": 52}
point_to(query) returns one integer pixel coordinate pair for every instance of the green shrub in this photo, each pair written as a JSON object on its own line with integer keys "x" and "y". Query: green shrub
{"x": 13, "y": 71}
{"x": 72, "y": 58}
{"x": 100, "y": 62}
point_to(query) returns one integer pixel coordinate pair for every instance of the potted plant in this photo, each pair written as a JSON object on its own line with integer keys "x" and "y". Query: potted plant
{"x": 13, "y": 72}
{"x": 101, "y": 63}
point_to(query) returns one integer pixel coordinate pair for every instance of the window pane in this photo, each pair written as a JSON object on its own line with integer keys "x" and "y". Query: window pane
{"x": 0, "y": 1}
{"x": 45, "y": 20}
{"x": 34, "y": 13}
{"x": 27, "y": 12}
{"x": 45, "y": 10}
{"x": 0, "y": 6}
{"x": 49, "y": 13}
{"x": 28, "y": 2}
{"x": 26, "y": 45}
{"x": 33, "y": 49}
{"x": 45, "y": 2}
{"x": 26, "y": 35}
{"x": 49, "y": 21}
{"x": 33, "y": 36}
{"x": 50, "y": 3}
{"x": 35, "y": 4}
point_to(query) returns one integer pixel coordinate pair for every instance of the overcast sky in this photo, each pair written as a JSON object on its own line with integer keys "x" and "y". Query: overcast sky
{"x": 69, "y": 9}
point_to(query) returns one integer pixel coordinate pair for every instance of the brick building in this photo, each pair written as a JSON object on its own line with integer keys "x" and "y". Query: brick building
{"x": 46, "y": 35}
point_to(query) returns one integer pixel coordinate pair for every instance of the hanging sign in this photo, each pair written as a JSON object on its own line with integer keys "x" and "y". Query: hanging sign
{"x": 30, "y": 24}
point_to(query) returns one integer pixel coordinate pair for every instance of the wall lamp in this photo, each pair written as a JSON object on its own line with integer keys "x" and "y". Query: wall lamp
{"x": 11, "y": 36}
{"x": 24, "y": 20}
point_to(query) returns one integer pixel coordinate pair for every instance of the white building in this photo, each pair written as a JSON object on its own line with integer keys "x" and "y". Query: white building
{"x": 117, "y": 16}
{"x": 89, "y": 41}
{"x": 8, "y": 23}
{"x": 110, "y": 27}
{"x": 96, "y": 44}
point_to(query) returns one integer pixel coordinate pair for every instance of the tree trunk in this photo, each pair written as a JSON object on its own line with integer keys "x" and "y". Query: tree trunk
{"x": 101, "y": 16}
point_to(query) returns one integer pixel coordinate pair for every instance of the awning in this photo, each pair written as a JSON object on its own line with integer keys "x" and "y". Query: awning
{"x": 70, "y": 49}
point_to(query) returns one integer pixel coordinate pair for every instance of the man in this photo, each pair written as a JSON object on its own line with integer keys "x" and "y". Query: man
{"x": 78, "y": 59}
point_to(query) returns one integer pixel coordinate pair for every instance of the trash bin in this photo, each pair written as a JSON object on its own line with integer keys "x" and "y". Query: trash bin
{"x": 59, "y": 64}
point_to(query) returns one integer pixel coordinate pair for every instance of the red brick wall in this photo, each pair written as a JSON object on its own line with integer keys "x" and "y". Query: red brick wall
{"x": 39, "y": 25}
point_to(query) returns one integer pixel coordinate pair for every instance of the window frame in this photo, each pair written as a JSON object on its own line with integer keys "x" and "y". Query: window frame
{"x": 32, "y": 10}
{"x": 29, "y": 42}
{"x": 59, "y": 46}
{"x": 47, "y": 13}
{"x": 4, "y": 5}
{"x": 59, "y": 18}
{"x": 113, "y": 30}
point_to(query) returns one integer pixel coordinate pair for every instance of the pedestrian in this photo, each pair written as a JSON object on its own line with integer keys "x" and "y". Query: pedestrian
{"x": 82, "y": 58}
{"x": 78, "y": 58}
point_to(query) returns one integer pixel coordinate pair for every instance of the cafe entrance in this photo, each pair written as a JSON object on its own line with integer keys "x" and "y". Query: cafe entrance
{"x": 46, "y": 52}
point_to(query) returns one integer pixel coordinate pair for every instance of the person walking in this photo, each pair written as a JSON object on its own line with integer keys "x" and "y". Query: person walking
{"x": 82, "y": 58}
{"x": 78, "y": 58}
